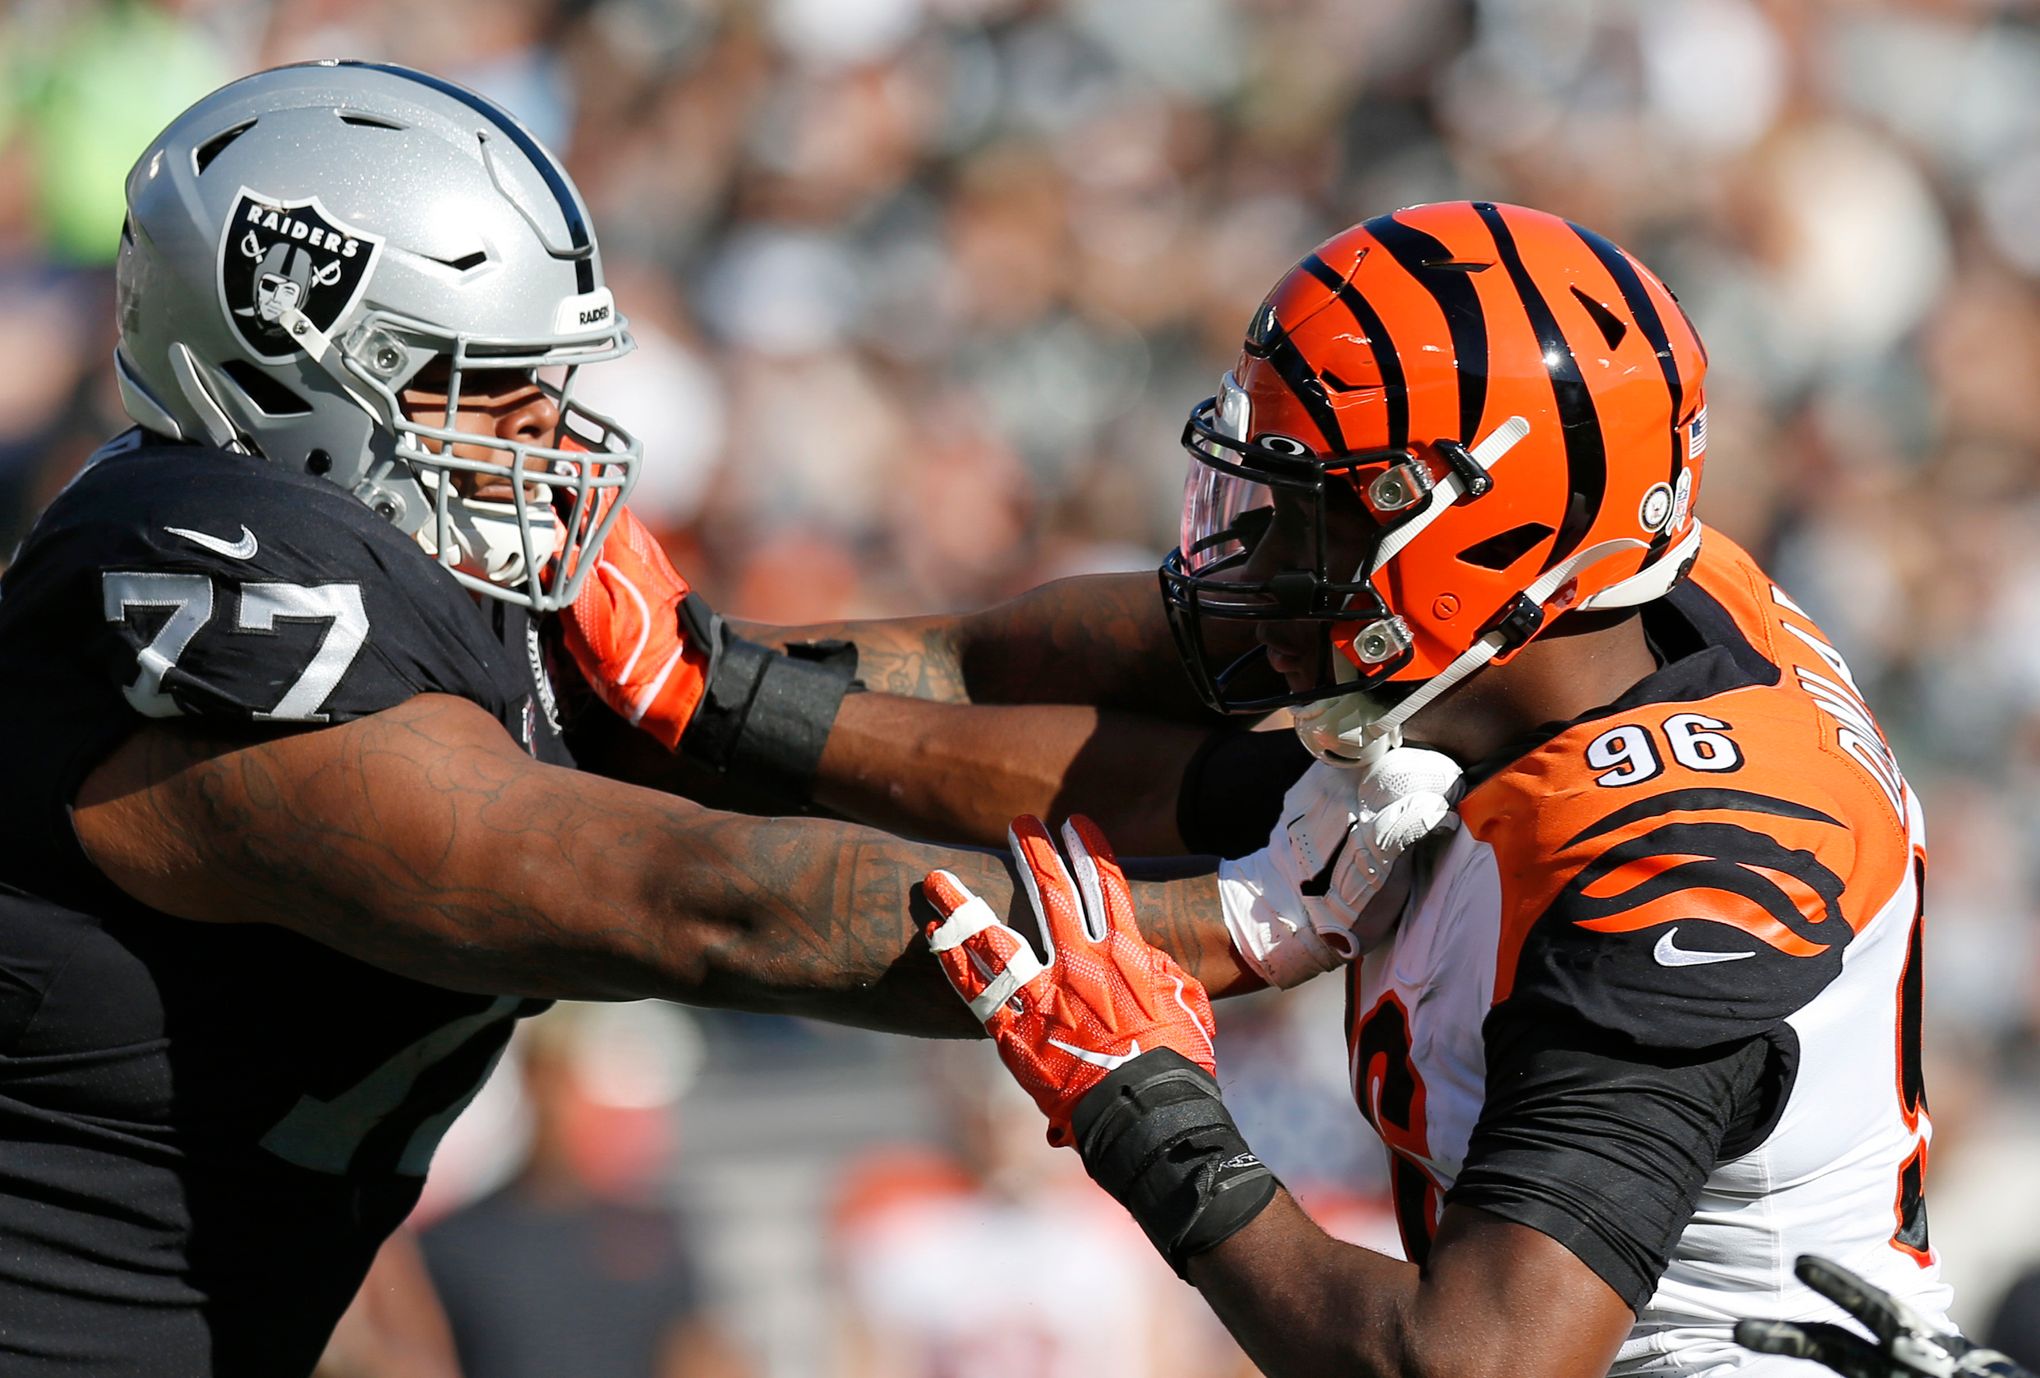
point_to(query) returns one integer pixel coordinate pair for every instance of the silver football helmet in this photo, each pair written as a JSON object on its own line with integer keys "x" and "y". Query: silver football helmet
{"x": 303, "y": 243}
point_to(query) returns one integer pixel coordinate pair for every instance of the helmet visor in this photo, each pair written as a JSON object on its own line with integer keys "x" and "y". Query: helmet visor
{"x": 1225, "y": 515}
{"x": 1272, "y": 567}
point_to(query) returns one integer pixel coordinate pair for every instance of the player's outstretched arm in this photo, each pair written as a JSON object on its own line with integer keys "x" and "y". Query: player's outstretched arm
{"x": 1099, "y": 639}
{"x": 956, "y": 772}
{"x": 423, "y": 840}
{"x": 1115, "y": 1043}
{"x": 961, "y": 771}
{"x": 1068, "y": 693}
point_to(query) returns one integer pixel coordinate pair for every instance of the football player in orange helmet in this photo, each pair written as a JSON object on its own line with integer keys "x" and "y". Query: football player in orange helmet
{"x": 1622, "y": 1070}
{"x": 1523, "y": 442}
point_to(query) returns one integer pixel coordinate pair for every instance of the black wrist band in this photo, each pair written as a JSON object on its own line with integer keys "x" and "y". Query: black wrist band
{"x": 1155, "y": 1134}
{"x": 765, "y": 714}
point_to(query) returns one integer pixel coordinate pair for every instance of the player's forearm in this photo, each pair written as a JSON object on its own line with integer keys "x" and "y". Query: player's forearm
{"x": 791, "y": 916}
{"x": 947, "y": 771}
{"x": 826, "y": 920}
{"x": 1178, "y": 909}
{"x": 1496, "y": 1300}
{"x": 962, "y": 773}
{"x": 829, "y": 918}
{"x": 1098, "y": 639}
{"x": 1302, "y": 1304}
{"x": 423, "y": 841}
{"x": 916, "y": 657}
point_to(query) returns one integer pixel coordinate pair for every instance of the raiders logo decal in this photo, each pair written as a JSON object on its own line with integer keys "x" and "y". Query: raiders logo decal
{"x": 276, "y": 255}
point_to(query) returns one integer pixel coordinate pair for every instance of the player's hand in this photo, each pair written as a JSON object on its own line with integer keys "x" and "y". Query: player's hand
{"x": 1901, "y": 1343}
{"x": 1318, "y": 894}
{"x": 627, "y": 634}
{"x": 1103, "y": 998}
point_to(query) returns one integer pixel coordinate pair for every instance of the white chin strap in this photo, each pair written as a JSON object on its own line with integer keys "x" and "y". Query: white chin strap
{"x": 1449, "y": 490}
{"x": 1354, "y": 729}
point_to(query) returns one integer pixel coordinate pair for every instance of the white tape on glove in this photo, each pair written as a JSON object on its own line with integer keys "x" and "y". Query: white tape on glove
{"x": 1304, "y": 903}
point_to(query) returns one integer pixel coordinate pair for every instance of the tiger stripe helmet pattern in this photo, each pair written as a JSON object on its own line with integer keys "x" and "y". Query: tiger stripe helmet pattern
{"x": 1518, "y": 405}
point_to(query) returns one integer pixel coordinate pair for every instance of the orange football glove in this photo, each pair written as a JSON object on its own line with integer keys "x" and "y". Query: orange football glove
{"x": 628, "y": 637}
{"x": 1103, "y": 998}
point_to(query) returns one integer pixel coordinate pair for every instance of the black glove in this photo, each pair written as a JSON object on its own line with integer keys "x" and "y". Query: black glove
{"x": 1901, "y": 1343}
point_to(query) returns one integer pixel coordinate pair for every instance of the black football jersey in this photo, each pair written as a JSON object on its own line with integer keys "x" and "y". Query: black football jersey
{"x": 207, "y": 1130}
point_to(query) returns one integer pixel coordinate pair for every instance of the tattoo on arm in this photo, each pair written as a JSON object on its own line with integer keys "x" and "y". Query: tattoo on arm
{"x": 1097, "y": 639}
{"x": 1179, "y": 910}
{"x": 914, "y": 657}
{"x": 923, "y": 668}
{"x": 423, "y": 841}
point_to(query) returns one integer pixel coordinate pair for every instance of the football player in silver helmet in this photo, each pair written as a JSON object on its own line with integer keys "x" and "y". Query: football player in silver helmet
{"x": 297, "y": 827}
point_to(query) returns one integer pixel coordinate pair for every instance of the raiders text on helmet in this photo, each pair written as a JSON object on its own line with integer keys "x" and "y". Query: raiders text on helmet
{"x": 276, "y": 256}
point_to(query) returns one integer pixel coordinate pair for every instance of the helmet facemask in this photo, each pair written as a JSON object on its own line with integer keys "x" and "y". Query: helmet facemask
{"x": 526, "y": 548}
{"x": 1272, "y": 533}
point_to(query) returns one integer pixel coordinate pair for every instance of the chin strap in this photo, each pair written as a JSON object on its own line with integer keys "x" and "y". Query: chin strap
{"x": 1352, "y": 730}
{"x": 1449, "y": 490}
{"x": 1356, "y": 731}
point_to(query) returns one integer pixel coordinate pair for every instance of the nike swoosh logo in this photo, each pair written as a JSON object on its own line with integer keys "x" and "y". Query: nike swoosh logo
{"x": 1320, "y": 885}
{"x": 1105, "y": 1060}
{"x": 1670, "y": 954}
{"x": 243, "y": 549}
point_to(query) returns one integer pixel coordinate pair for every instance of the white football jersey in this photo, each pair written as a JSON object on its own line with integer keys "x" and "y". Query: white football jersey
{"x": 1727, "y": 853}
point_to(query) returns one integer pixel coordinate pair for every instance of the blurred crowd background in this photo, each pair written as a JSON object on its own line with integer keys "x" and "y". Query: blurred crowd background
{"x": 922, "y": 291}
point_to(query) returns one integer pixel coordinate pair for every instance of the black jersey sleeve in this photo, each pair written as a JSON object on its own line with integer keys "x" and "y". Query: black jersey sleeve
{"x": 1604, "y": 1145}
{"x": 1232, "y": 790}
{"x": 209, "y": 585}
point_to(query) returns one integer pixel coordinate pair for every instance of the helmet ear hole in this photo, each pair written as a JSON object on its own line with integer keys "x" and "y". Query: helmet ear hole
{"x": 1500, "y": 551}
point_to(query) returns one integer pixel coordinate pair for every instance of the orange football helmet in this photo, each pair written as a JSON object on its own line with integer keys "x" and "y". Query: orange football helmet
{"x": 1449, "y": 425}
